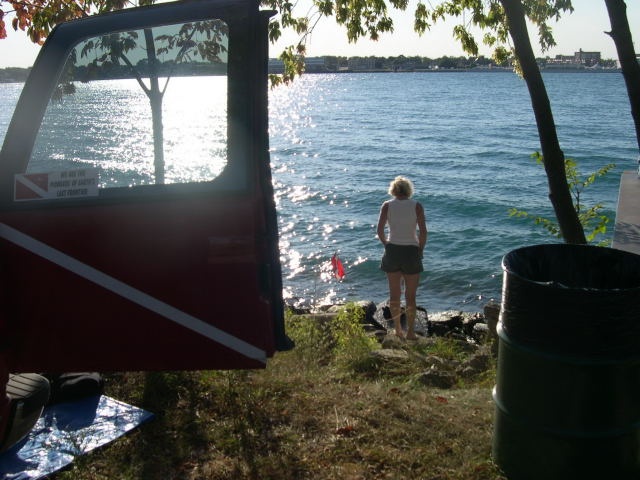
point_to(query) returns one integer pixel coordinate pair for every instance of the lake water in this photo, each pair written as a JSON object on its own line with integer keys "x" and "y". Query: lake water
{"x": 465, "y": 139}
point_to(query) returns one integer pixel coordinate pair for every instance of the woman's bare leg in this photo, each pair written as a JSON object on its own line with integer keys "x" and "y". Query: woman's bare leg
{"x": 410, "y": 292}
{"x": 395, "y": 290}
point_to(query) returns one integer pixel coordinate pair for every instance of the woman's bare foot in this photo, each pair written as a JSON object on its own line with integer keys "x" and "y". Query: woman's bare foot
{"x": 412, "y": 336}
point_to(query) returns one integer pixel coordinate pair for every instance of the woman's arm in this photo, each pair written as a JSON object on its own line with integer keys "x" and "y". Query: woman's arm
{"x": 422, "y": 225}
{"x": 382, "y": 221}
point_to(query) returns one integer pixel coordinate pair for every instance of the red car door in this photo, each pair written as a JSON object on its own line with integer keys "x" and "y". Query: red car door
{"x": 137, "y": 221}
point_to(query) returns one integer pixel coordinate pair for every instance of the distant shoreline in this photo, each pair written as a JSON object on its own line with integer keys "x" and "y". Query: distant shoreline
{"x": 471, "y": 70}
{"x": 19, "y": 75}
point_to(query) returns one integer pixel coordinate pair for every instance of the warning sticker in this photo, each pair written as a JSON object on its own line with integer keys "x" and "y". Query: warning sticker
{"x": 65, "y": 184}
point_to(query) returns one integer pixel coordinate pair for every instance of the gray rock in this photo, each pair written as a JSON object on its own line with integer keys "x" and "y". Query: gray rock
{"x": 443, "y": 323}
{"x": 382, "y": 315}
{"x": 475, "y": 365}
{"x": 434, "y": 377}
{"x": 379, "y": 335}
{"x": 480, "y": 332}
{"x": 481, "y": 328}
{"x": 390, "y": 354}
{"x": 392, "y": 341}
{"x": 433, "y": 361}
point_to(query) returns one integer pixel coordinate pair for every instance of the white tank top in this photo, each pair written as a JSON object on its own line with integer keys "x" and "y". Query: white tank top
{"x": 402, "y": 220}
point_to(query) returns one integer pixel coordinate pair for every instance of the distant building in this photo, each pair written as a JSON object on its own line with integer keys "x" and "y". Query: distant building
{"x": 588, "y": 59}
{"x": 579, "y": 60}
{"x": 315, "y": 65}
{"x": 362, "y": 63}
{"x": 563, "y": 59}
{"x": 311, "y": 65}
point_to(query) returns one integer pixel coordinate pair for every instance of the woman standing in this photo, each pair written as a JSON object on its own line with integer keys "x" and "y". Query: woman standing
{"x": 403, "y": 247}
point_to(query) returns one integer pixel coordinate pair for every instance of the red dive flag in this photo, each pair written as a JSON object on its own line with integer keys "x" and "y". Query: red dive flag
{"x": 338, "y": 268}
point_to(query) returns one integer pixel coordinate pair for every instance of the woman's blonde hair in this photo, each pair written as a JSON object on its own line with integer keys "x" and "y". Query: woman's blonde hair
{"x": 401, "y": 187}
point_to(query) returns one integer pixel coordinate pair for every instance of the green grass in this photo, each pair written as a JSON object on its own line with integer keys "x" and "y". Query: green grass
{"x": 325, "y": 410}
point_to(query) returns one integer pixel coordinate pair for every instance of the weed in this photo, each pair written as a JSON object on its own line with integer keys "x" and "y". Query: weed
{"x": 449, "y": 349}
{"x": 352, "y": 345}
{"x": 593, "y": 221}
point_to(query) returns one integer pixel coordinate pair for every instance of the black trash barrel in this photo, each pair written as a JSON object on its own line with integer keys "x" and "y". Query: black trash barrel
{"x": 567, "y": 392}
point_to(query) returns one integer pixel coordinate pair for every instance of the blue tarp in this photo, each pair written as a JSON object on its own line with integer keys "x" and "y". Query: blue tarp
{"x": 67, "y": 430}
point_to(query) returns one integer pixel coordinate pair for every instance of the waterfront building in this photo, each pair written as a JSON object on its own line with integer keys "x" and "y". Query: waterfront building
{"x": 588, "y": 59}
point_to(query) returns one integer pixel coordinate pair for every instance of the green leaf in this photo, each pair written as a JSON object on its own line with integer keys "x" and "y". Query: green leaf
{"x": 593, "y": 222}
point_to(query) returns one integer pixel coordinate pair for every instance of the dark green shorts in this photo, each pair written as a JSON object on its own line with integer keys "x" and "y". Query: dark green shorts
{"x": 401, "y": 258}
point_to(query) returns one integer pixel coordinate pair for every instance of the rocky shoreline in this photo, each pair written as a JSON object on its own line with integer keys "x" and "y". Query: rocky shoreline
{"x": 474, "y": 333}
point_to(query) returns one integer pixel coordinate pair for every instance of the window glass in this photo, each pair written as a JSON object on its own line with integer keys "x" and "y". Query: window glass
{"x": 140, "y": 107}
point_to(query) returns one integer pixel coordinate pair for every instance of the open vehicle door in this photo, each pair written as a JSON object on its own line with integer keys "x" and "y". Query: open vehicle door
{"x": 137, "y": 224}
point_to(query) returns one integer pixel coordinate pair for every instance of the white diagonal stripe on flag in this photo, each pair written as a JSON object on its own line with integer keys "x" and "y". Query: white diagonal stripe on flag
{"x": 32, "y": 186}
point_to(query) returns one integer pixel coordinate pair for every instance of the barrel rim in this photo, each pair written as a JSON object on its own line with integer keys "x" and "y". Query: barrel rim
{"x": 553, "y": 284}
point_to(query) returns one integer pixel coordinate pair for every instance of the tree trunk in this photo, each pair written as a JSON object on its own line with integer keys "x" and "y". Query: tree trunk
{"x": 155, "y": 99}
{"x": 626, "y": 54}
{"x": 559, "y": 193}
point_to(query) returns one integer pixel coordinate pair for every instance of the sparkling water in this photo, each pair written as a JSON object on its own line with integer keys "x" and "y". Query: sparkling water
{"x": 465, "y": 139}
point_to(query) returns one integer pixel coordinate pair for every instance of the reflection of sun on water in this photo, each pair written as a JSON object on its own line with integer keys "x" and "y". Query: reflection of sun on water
{"x": 195, "y": 128}
{"x": 307, "y": 241}
{"x": 116, "y": 116}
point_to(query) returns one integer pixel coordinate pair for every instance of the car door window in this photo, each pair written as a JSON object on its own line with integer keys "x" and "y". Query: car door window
{"x": 139, "y": 108}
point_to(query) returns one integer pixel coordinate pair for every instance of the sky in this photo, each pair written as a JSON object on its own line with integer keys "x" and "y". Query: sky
{"x": 583, "y": 29}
